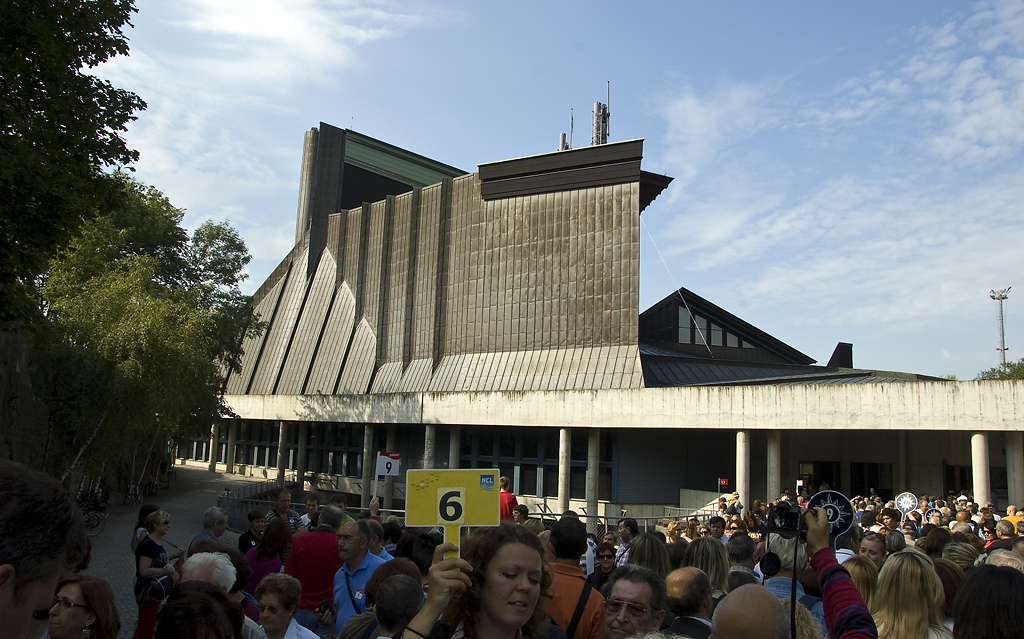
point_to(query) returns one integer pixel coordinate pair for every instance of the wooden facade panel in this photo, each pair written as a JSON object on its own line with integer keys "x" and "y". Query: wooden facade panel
{"x": 280, "y": 332}
{"x": 308, "y": 329}
{"x": 358, "y": 367}
{"x": 238, "y": 383}
{"x": 401, "y": 246}
{"x": 327, "y": 364}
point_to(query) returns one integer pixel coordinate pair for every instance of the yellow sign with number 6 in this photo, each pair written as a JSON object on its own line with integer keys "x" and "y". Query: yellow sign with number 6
{"x": 452, "y": 498}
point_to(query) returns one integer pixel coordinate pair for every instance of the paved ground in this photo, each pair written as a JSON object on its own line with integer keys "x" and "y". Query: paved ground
{"x": 194, "y": 490}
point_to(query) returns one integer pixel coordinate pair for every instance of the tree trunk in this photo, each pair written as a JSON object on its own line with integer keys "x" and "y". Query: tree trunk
{"x": 74, "y": 462}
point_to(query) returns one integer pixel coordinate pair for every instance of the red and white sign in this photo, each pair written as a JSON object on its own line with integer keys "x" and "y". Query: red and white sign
{"x": 723, "y": 482}
{"x": 387, "y": 464}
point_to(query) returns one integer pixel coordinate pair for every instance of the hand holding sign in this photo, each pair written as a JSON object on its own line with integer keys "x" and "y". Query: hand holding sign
{"x": 838, "y": 509}
{"x": 452, "y": 499}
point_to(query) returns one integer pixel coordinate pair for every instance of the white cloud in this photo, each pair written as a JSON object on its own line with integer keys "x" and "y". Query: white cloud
{"x": 219, "y": 78}
{"x": 889, "y": 204}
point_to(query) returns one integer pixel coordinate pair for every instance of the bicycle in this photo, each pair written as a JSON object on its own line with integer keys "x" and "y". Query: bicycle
{"x": 133, "y": 495}
{"x": 94, "y": 510}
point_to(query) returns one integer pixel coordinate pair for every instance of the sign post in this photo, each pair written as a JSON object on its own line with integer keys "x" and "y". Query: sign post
{"x": 452, "y": 499}
{"x": 722, "y": 482}
{"x": 387, "y": 465}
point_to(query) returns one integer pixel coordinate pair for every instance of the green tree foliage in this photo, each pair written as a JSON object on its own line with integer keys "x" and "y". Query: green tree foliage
{"x": 1013, "y": 370}
{"x": 142, "y": 323}
{"x": 60, "y": 129}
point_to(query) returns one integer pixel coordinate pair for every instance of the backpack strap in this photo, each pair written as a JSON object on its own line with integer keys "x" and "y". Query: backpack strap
{"x": 580, "y": 606}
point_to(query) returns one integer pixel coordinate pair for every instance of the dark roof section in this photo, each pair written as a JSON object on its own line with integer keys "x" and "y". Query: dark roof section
{"x": 586, "y": 167}
{"x": 700, "y": 306}
{"x": 666, "y": 368}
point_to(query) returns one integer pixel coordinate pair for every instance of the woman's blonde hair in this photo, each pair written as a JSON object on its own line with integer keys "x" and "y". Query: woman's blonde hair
{"x": 806, "y": 626}
{"x": 961, "y": 554}
{"x": 691, "y": 529}
{"x": 708, "y": 554}
{"x": 650, "y": 552}
{"x": 864, "y": 573}
{"x": 156, "y": 518}
{"x": 672, "y": 530}
{"x": 906, "y": 603}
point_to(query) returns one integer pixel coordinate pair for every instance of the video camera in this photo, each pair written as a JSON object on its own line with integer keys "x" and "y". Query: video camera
{"x": 785, "y": 520}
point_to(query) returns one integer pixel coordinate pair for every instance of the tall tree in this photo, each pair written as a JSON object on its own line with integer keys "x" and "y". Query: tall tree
{"x": 60, "y": 131}
{"x": 142, "y": 323}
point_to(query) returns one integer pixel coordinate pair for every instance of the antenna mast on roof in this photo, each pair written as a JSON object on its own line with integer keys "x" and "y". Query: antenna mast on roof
{"x": 1000, "y": 296}
{"x": 601, "y": 114}
{"x": 562, "y": 144}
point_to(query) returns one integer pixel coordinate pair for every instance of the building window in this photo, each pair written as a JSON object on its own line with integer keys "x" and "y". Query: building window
{"x": 529, "y": 456}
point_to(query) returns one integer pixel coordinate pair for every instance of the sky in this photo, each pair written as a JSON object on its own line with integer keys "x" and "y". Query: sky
{"x": 844, "y": 172}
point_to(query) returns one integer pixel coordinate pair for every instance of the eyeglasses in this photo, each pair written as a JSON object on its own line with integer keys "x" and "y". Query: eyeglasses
{"x": 63, "y": 602}
{"x": 615, "y": 606}
{"x": 267, "y": 609}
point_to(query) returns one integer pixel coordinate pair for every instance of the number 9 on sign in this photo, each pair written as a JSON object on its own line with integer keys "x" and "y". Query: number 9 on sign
{"x": 451, "y": 506}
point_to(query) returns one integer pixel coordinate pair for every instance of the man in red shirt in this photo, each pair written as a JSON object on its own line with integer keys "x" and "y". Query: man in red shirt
{"x": 508, "y": 500}
{"x": 314, "y": 560}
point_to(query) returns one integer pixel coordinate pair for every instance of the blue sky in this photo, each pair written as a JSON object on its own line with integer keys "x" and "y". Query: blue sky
{"x": 844, "y": 172}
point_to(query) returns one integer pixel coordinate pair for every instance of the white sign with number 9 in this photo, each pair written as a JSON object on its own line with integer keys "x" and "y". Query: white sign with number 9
{"x": 451, "y": 506}
{"x": 387, "y": 464}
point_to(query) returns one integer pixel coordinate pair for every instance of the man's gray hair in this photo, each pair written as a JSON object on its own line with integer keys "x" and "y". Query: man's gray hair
{"x": 223, "y": 570}
{"x": 1006, "y": 527}
{"x": 784, "y": 549}
{"x": 639, "y": 575}
{"x": 214, "y": 516}
{"x": 1005, "y": 558}
{"x": 331, "y": 516}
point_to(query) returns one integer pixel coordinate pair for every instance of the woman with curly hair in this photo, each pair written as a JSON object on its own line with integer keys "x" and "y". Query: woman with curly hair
{"x": 493, "y": 591}
{"x": 690, "y": 534}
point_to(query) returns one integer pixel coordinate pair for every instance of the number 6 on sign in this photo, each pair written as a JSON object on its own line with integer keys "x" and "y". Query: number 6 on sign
{"x": 451, "y": 499}
{"x": 451, "y": 506}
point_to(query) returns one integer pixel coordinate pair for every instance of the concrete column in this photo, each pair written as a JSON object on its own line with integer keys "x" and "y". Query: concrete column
{"x": 563, "y": 469}
{"x": 429, "y": 440}
{"x": 1015, "y": 467}
{"x": 774, "y": 465}
{"x": 300, "y": 459}
{"x": 229, "y": 455}
{"x": 214, "y": 438}
{"x": 901, "y": 463}
{"x": 979, "y": 464}
{"x": 593, "y": 474}
{"x": 743, "y": 466}
{"x": 389, "y": 484}
{"x": 282, "y": 453}
{"x": 454, "y": 446}
{"x": 369, "y": 464}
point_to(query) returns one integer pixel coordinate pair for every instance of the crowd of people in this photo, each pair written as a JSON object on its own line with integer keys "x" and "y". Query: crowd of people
{"x": 950, "y": 568}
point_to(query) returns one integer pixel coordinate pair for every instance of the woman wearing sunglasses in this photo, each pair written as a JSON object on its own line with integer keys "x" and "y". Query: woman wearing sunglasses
{"x": 84, "y": 609}
{"x": 605, "y": 566}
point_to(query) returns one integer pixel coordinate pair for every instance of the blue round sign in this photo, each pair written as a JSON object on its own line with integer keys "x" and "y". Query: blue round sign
{"x": 837, "y": 507}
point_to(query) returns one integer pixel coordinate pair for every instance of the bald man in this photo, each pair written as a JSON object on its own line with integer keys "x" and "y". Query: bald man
{"x": 689, "y": 598}
{"x": 750, "y": 611}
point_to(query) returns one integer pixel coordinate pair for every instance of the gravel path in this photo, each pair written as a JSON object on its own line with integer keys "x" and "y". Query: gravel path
{"x": 194, "y": 490}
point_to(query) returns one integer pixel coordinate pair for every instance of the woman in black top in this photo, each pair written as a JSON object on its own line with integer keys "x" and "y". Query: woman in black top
{"x": 605, "y": 566}
{"x": 151, "y": 562}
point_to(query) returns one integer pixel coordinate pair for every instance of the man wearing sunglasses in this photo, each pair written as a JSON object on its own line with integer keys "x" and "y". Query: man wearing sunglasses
{"x": 635, "y": 602}
{"x": 34, "y": 550}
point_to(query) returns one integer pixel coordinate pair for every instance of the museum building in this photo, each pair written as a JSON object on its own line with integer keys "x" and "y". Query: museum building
{"x": 491, "y": 320}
